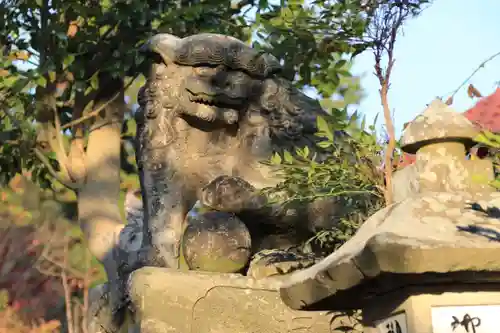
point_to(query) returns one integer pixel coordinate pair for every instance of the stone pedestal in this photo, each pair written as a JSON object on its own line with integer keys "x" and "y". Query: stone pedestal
{"x": 430, "y": 310}
{"x": 180, "y": 302}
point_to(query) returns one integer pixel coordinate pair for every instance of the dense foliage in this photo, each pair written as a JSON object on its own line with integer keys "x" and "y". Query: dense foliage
{"x": 351, "y": 175}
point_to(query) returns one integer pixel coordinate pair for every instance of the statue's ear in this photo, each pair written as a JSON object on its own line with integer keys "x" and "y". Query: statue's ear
{"x": 163, "y": 45}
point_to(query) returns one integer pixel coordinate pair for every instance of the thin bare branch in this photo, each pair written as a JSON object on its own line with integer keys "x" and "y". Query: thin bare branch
{"x": 67, "y": 269}
{"x": 67, "y": 293}
{"x": 42, "y": 158}
{"x": 387, "y": 22}
{"x": 86, "y": 286}
{"x": 60, "y": 141}
{"x": 478, "y": 68}
{"x": 98, "y": 110}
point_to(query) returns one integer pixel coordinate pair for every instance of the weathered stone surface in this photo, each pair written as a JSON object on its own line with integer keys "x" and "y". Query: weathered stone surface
{"x": 171, "y": 301}
{"x": 269, "y": 263}
{"x": 446, "y": 228}
{"x": 215, "y": 241}
{"x": 214, "y": 49}
{"x": 214, "y": 106}
{"x": 405, "y": 183}
{"x": 438, "y": 121}
{"x": 440, "y": 137}
{"x": 100, "y": 316}
{"x": 99, "y": 312}
{"x": 438, "y": 232}
{"x": 231, "y": 194}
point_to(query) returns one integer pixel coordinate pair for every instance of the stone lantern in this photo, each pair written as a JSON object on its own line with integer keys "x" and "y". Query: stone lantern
{"x": 429, "y": 263}
{"x": 441, "y": 137}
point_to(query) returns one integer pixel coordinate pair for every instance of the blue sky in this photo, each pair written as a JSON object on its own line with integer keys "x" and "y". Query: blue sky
{"x": 437, "y": 51}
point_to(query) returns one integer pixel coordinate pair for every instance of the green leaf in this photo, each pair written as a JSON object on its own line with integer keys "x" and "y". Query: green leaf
{"x": 487, "y": 140}
{"x": 344, "y": 73}
{"x": 288, "y": 157}
{"x": 155, "y": 23}
{"x": 105, "y": 4}
{"x": 68, "y": 60}
{"x": 52, "y": 76}
{"x": 363, "y": 123}
{"x": 94, "y": 81}
{"x": 375, "y": 119}
{"x": 491, "y": 136}
{"x": 276, "y": 159}
{"x": 41, "y": 81}
{"x": 324, "y": 128}
{"x": 88, "y": 91}
{"x": 306, "y": 152}
{"x": 9, "y": 81}
{"x": 104, "y": 29}
{"x": 340, "y": 64}
{"x": 324, "y": 144}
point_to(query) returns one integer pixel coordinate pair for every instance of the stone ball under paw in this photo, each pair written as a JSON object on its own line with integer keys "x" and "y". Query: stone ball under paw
{"x": 216, "y": 242}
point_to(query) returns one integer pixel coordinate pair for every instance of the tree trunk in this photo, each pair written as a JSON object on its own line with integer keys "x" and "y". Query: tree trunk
{"x": 98, "y": 198}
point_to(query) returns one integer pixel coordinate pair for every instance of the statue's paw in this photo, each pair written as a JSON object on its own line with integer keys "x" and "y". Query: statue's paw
{"x": 206, "y": 113}
{"x": 216, "y": 242}
{"x": 231, "y": 194}
{"x": 271, "y": 263}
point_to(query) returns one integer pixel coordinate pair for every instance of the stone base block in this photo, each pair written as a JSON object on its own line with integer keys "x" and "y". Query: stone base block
{"x": 180, "y": 302}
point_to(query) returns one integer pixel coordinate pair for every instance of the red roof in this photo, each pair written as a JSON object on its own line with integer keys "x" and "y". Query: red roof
{"x": 486, "y": 112}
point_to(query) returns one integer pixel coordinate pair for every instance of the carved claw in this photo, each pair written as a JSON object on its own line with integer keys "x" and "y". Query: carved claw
{"x": 231, "y": 194}
{"x": 211, "y": 114}
{"x": 206, "y": 113}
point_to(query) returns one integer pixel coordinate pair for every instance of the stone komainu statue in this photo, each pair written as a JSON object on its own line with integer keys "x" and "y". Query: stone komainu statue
{"x": 213, "y": 106}
{"x": 211, "y": 111}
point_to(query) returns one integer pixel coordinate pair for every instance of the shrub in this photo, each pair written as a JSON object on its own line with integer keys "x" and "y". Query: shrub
{"x": 350, "y": 174}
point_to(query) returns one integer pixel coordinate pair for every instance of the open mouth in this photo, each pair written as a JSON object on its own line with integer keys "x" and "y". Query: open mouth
{"x": 203, "y": 100}
{"x": 216, "y": 102}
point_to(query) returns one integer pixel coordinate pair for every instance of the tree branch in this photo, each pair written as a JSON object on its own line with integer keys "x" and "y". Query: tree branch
{"x": 67, "y": 293}
{"x": 387, "y": 22}
{"x": 45, "y": 161}
{"x": 481, "y": 65}
{"x": 98, "y": 110}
